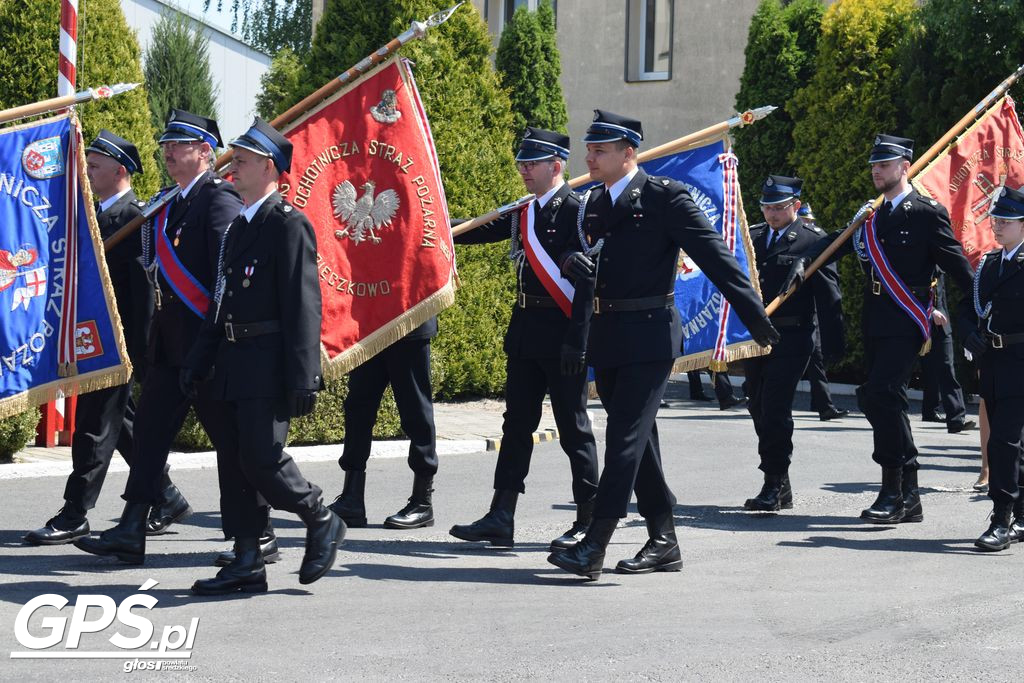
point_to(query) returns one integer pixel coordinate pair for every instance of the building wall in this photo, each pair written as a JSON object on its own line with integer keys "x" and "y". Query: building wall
{"x": 708, "y": 39}
{"x": 235, "y": 67}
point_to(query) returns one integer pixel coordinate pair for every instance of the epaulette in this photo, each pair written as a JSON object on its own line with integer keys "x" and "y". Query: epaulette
{"x": 812, "y": 227}
{"x": 927, "y": 200}
{"x": 758, "y": 226}
{"x": 284, "y": 207}
{"x": 660, "y": 181}
{"x": 218, "y": 181}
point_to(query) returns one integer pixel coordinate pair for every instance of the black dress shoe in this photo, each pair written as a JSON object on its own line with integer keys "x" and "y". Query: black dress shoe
{"x": 660, "y": 553}
{"x": 126, "y": 540}
{"x": 832, "y": 414}
{"x": 497, "y": 527}
{"x": 268, "y": 547}
{"x": 957, "y": 427}
{"x": 888, "y": 506}
{"x": 934, "y": 417}
{"x": 324, "y": 533}
{"x": 586, "y": 558}
{"x": 420, "y": 511}
{"x": 732, "y": 402}
{"x": 997, "y": 536}
{"x": 64, "y": 527}
{"x": 245, "y": 574}
{"x": 575, "y": 534}
{"x": 350, "y": 505}
{"x": 173, "y": 508}
{"x": 1016, "y": 532}
{"x": 912, "y": 508}
{"x": 776, "y": 494}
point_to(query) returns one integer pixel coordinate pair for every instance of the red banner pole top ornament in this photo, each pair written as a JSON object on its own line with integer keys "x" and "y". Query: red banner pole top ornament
{"x": 54, "y": 103}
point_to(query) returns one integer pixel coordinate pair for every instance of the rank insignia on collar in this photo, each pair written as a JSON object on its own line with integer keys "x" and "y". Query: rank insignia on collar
{"x": 790, "y": 236}
{"x": 635, "y": 192}
{"x": 556, "y": 202}
{"x": 906, "y": 205}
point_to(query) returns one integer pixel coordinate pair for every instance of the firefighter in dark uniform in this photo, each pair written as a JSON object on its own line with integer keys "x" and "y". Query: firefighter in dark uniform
{"x": 634, "y": 226}
{"x": 997, "y": 346}
{"x": 533, "y": 344}
{"x": 771, "y": 380}
{"x": 914, "y": 236}
{"x": 821, "y": 395}
{"x": 180, "y": 254}
{"x": 103, "y": 419}
{"x": 261, "y": 338}
{"x": 405, "y": 365}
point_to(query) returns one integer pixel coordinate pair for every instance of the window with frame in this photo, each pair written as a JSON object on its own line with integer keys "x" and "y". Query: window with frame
{"x": 649, "y": 40}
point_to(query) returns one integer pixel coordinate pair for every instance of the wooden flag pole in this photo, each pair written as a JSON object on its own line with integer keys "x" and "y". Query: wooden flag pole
{"x": 690, "y": 141}
{"x": 417, "y": 29}
{"x": 973, "y": 115}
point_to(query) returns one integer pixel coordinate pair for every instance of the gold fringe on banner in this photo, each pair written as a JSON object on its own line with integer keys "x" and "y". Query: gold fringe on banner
{"x": 99, "y": 379}
{"x": 379, "y": 340}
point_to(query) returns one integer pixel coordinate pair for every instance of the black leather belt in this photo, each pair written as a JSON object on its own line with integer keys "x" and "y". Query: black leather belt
{"x": 531, "y": 301}
{"x": 1000, "y": 341}
{"x": 236, "y": 331}
{"x": 646, "y": 303}
{"x": 789, "y": 321}
{"x": 921, "y": 292}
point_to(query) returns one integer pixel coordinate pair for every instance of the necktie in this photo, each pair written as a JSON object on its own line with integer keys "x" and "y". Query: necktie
{"x": 772, "y": 239}
{"x": 887, "y": 207}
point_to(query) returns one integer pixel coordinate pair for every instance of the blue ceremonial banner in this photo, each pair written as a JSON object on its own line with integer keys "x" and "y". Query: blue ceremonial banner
{"x": 61, "y": 334}
{"x": 712, "y": 332}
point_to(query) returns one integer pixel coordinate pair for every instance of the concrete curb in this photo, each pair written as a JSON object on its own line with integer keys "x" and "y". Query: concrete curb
{"x": 208, "y": 459}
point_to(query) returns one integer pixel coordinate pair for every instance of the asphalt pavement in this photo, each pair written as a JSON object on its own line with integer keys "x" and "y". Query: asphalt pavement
{"x": 809, "y": 594}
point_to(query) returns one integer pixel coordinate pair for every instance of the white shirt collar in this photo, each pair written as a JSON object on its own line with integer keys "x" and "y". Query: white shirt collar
{"x": 543, "y": 200}
{"x": 110, "y": 201}
{"x": 250, "y": 211}
{"x": 619, "y": 185}
{"x": 1008, "y": 255}
{"x": 188, "y": 188}
{"x": 899, "y": 198}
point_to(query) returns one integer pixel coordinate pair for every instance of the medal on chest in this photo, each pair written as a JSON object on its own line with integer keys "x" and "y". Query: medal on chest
{"x": 249, "y": 270}
{"x": 177, "y": 235}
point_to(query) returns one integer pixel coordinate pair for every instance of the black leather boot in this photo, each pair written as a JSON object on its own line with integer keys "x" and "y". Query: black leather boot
{"x": 268, "y": 547}
{"x": 1017, "y": 528}
{"x": 172, "y": 508}
{"x": 126, "y": 541}
{"x": 68, "y": 524}
{"x": 660, "y": 553}
{"x": 497, "y": 526}
{"x": 325, "y": 531}
{"x": 912, "y": 510}
{"x": 246, "y": 572}
{"x": 586, "y": 558}
{"x": 575, "y": 534}
{"x": 997, "y": 537}
{"x": 350, "y": 505}
{"x": 776, "y": 494}
{"x": 888, "y": 507}
{"x": 420, "y": 511}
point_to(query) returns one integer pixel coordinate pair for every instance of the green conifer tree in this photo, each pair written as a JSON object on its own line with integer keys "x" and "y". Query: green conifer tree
{"x": 529, "y": 65}
{"x": 856, "y": 92}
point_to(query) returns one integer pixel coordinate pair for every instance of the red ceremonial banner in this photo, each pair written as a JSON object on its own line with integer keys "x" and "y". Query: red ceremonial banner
{"x": 365, "y": 172}
{"x": 969, "y": 174}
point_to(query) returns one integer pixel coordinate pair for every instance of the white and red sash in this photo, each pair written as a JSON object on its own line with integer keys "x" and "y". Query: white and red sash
{"x": 892, "y": 283}
{"x": 547, "y": 271}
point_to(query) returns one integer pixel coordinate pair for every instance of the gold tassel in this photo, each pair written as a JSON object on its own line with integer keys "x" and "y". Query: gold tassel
{"x": 718, "y": 366}
{"x": 926, "y": 347}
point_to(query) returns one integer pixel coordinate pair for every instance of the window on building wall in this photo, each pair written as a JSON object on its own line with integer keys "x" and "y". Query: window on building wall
{"x": 649, "y": 40}
{"x": 498, "y": 13}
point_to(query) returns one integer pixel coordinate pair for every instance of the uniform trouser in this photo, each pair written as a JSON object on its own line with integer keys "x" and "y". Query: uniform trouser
{"x": 821, "y": 397}
{"x": 528, "y": 381}
{"x": 103, "y": 423}
{"x": 883, "y": 398}
{"x": 254, "y": 471}
{"x": 771, "y": 386}
{"x": 939, "y": 379}
{"x": 631, "y": 395}
{"x": 406, "y": 366}
{"x": 723, "y": 386}
{"x": 161, "y": 411}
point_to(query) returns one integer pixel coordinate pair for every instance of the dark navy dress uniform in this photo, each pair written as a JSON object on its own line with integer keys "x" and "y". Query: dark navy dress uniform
{"x": 917, "y": 240}
{"x": 938, "y": 371}
{"x": 771, "y": 380}
{"x": 263, "y": 344}
{"x": 195, "y": 225}
{"x": 997, "y": 346}
{"x": 536, "y": 331}
{"x": 405, "y": 365}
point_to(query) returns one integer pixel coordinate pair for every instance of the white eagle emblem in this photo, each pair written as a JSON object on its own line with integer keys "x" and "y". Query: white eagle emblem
{"x": 362, "y": 216}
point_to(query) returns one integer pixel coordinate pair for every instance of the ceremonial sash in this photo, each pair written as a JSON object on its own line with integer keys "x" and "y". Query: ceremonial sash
{"x": 892, "y": 283}
{"x": 560, "y": 289}
{"x": 184, "y": 284}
